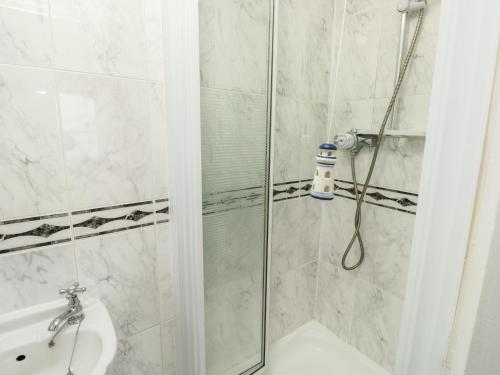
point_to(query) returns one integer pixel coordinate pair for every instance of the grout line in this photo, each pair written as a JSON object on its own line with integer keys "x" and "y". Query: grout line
{"x": 377, "y": 204}
{"x": 90, "y": 235}
{"x": 53, "y": 69}
{"x": 34, "y": 246}
{"x": 378, "y": 187}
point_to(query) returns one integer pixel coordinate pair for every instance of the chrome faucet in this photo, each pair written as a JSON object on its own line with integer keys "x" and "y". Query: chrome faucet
{"x": 72, "y": 316}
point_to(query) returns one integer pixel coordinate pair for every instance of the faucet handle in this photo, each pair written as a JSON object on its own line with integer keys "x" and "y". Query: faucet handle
{"x": 73, "y": 290}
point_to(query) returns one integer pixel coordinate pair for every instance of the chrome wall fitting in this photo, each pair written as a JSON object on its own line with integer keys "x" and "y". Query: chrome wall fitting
{"x": 408, "y": 6}
{"x": 353, "y": 141}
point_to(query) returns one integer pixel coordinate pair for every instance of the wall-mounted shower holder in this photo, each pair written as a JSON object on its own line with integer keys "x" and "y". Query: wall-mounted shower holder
{"x": 408, "y": 6}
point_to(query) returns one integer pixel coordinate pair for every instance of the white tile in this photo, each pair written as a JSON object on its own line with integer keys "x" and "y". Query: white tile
{"x": 397, "y": 168}
{"x": 159, "y": 142}
{"x": 168, "y": 347}
{"x": 313, "y": 135}
{"x": 287, "y": 141}
{"x": 292, "y": 300}
{"x": 118, "y": 37}
{"x": 335, "y": 301}
{"x": 352, "y": 114}
{"x": 296, "y": 228}
{"x": 388, "y": 51}
{"x": 35, "y": 277}
{"x": 121, "y": 270}
{"x": 25, "y": 33}
{"x": 139, "y": 355}
{"x": 358, "y": 57}
{"x": 375, "y": 325}
{"x": 233, "y": 324}
{"x": 234, "y": 44}
{"x": 413, "y": 113}
{"x": 165, "y": 278}
{"x": 107, "y": 139}
{"x": 31, "y": 158}
{"x": 304, "y": 49}
{"x": 337, "y": 227}
{"x": 301, "y": 126}
{"x": 387, "y": 236}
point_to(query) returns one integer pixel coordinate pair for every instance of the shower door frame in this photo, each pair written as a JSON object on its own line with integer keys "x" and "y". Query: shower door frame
{"x": 457, "y": 125}
{"x": 183, "y": 115}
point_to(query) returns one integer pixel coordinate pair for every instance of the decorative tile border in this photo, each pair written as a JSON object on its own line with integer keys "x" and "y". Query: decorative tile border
{"x": 22, "y": 234}
{"x": 32, "y": 232}
{"x": 383, "y": 197}
{"x": 291, "y": 190}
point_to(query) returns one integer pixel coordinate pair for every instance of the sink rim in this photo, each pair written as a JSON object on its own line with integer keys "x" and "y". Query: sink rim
{"x": 97, "y": 317}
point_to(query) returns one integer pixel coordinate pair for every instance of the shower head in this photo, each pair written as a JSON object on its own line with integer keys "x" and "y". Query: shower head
{"x": 408, "y": 6}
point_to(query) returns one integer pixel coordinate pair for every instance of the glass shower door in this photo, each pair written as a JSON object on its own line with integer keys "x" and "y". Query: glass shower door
{"x": 234, "y": 49}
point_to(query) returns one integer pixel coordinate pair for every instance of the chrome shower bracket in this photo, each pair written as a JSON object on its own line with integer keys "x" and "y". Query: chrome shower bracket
{"x": 409, "y": 6}
{"x": 354, "y": 142}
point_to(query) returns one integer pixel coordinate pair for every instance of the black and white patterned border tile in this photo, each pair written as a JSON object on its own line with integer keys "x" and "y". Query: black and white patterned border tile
{"x": 93, "y": 222}
{"x": 291, "y": 190}
{"x": 233, "y": 199}
{"x": 33, "y": 232}
{"x": 162, "y": 209}
{"x": 22, "y": 234}
{"x": 383, "y": 197}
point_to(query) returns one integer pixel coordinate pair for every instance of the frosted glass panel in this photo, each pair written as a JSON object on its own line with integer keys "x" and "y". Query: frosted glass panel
{"x": 234, "y": 66}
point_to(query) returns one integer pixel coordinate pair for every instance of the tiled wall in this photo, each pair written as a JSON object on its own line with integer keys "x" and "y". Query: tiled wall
{"x": 362, "y": 307}
{"x": 83, "y": 163}
{"x": 304, "y": 48}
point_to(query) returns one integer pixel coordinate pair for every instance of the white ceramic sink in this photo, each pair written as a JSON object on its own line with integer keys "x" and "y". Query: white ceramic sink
{"x": 24, "y": 341}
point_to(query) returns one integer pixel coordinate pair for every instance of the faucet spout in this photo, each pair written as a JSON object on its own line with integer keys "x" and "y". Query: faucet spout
{"x": 72, "y": 316}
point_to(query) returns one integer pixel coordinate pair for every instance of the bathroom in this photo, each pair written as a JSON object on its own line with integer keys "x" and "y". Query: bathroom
{"x": 236, "y": 187}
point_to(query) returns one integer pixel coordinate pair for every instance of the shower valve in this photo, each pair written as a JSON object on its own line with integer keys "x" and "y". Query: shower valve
{"x": 353, "y": 141}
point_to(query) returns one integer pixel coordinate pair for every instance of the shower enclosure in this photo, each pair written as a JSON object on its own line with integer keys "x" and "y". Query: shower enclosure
{"x": 334, "y": 63}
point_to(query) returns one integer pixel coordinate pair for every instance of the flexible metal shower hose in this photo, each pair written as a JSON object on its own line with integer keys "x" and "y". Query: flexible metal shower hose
{"x": 360, "y": 197}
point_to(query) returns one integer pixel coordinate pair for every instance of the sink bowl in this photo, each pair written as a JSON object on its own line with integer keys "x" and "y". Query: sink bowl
{"x": 24, "y": 341}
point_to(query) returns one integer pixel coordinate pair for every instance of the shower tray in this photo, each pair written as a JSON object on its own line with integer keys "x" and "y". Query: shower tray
{"x": 315, "y": 350}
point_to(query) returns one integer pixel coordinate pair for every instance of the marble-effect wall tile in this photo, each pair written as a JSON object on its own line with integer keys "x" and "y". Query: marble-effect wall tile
{"x": 140, "y": 354}
{"x": 335, "y": 301}
{"x": 375, "y": 324}
{"x": 168, "y": 347}
{"x": 358, "y": 57}
{"x": 234, "y": 48}
{"x": 292, "y": 300}
{"x": 295, "y": 239}
{"x": 35, "y": 277}
{"x": 25, "y": 33}
{"x": 159, "y": 141}
{"x": 107, "y": 139}
{"x": 121, "y": 271}
{"x": 233, "y": 324}
{"x": 165, "y": 278}
{"x": 112, "y": 37}
{"x": 304, "y": 49}
{"x": 31, "y": 160}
